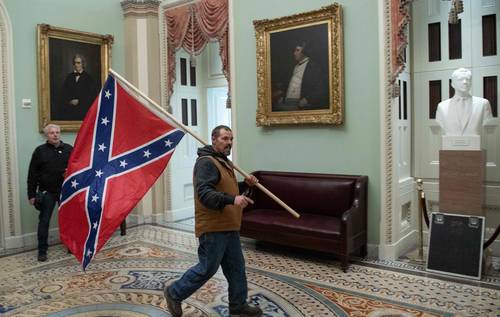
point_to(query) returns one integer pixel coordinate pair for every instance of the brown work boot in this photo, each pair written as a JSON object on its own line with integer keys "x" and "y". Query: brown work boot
{"x": 246, "y": 311}
{"x": 173, "y": 306}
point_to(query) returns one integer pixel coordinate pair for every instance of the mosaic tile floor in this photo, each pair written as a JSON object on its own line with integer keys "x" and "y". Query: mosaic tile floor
{"x": 409, "y": 262}
{"x": 128, "y": 275}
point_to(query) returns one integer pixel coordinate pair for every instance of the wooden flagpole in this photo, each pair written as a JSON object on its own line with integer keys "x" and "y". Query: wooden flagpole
{"x": 194, "y": 135}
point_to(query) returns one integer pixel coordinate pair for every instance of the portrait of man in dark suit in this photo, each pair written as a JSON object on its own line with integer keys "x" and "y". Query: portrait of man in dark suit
{"x": 75, "y": 78}
{"x": 79, "y": 89}
{"x": 299, "y": 75}
{"x": 71, "y": 67}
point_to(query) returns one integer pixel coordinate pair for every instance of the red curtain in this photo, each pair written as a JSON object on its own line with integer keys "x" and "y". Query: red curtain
{"x": 191, "y": 27}
{"x": 400, "y": 17}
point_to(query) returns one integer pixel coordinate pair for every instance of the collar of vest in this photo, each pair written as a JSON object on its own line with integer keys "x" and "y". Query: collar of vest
{"x": 226, "y": 163}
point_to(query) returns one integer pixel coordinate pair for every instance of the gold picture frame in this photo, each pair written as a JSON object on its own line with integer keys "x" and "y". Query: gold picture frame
{"x": 320, "y": 99}
{"x": 65, "y": 91}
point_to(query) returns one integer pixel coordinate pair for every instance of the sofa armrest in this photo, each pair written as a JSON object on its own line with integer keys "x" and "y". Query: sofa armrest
{"x": 354, "y": 220}
{"x": 351, "y": 213}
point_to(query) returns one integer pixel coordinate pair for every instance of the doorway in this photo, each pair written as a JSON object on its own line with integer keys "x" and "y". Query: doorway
{"x": 217, "y": 112}
{"x": 199, "y": 99}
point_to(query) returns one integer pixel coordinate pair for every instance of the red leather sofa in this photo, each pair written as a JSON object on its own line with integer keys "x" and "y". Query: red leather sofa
{"x": 332, "y": 208}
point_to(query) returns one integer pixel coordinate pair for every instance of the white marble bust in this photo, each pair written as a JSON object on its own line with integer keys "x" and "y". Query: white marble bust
{"x": 463, "y": 114}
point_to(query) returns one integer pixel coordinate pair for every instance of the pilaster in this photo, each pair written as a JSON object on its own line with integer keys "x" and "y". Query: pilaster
{"x": 142, "y": 68}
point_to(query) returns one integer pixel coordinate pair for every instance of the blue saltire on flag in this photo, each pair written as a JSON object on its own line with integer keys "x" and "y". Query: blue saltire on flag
{"x": 121, "y": 149}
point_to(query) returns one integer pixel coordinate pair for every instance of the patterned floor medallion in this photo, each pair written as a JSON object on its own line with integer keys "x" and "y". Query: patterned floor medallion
{"x": 127, "y": 277}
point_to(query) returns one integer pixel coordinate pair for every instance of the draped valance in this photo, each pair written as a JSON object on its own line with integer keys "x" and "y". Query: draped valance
{"x": 400, "y": 18}
{"x": 191, "y": 27}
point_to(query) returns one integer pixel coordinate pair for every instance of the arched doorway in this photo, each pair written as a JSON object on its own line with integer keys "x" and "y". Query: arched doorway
{"x": 10, "y": 222}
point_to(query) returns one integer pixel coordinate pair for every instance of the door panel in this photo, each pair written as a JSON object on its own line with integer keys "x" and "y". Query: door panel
{"x": 182, "y": 162}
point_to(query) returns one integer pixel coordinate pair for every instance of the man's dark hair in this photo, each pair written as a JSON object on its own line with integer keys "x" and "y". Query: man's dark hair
{"x": 216, "y": 130}
{"x": 305, "y": 48}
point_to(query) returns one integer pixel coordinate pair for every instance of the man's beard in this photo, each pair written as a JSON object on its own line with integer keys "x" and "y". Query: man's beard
{"x": 227, "y": 150}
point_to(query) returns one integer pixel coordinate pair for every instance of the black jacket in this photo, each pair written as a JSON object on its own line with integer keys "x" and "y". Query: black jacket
{"x": 85, "y": 90}
{"x": 206, "y": 177}
{"x": 314, "y": 88}
{"x": 47, "y": 167}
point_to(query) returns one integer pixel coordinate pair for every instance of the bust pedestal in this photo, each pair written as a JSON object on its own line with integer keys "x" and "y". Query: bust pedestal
{"x": 461, "y": 178}
{"x": 461, "y": 142}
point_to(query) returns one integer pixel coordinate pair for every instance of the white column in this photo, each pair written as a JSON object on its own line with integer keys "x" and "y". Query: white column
{"x": 142, "y": 64}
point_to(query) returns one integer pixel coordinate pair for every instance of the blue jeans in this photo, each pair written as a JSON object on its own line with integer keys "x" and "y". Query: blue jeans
{"x": 46, "y": 208}
{"x": 216, "y": 249}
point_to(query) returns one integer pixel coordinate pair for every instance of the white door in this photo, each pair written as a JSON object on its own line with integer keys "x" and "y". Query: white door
{"x": 187, "y": 104}
{"x": 199, "y": 100}
{"x": 404, "y": 221}
{"x": 218, "y": 113}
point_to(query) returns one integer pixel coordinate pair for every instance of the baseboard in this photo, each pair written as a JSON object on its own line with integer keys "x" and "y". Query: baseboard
{"x": 372, "y": 251}
{"x": 135, "y": 219}
{"x": 178, "y": 214}
{"x": 395, "y": 250}
{"x": 14, "y": 242}
{"x": 157, "y": 218}
{"x": 410, "y": 241}
{"x": 161, "y": 217}
{"x": 389, "y": 252}
{"x": 30, "y": 240}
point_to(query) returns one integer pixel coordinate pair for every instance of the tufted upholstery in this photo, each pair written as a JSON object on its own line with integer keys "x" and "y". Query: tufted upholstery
{"x": 332, "y": 208}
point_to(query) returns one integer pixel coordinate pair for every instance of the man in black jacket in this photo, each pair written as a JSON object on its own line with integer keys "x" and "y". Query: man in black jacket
{"x": 45, "y": 178}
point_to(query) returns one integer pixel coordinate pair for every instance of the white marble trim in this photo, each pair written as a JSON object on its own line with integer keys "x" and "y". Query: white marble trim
{"x": 10, "y": 216}
{"x": 386, "y": 165}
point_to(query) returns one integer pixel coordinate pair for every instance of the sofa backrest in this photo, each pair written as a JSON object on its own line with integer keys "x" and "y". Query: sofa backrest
{"x": 326, "y": 194}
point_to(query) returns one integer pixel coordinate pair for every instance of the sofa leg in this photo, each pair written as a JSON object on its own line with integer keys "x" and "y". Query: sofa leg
{"x": 345, "y": 263}
{"x": 363, "y": 251}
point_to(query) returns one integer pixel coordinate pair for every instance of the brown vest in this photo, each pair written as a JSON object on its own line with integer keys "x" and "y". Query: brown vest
{"x": 227, "y": 219}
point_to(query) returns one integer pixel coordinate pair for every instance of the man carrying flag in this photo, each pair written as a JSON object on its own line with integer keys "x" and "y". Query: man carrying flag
{"x": 121, "y": 149}
{"x": 218, "y": 211}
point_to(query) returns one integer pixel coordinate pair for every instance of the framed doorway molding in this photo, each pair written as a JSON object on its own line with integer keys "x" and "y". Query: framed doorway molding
{"x": 10, "y": 216}
{"x": 393, "y": 23}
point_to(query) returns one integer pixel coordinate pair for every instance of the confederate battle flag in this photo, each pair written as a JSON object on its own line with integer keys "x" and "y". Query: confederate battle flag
{"x": 121, "y": 149}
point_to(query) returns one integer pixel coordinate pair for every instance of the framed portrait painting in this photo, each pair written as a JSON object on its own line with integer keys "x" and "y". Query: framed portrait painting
{"x": 300, "y": 68}
{"x": 72, "y": 66}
